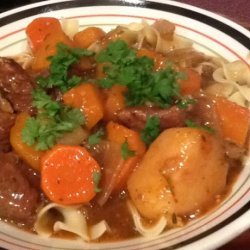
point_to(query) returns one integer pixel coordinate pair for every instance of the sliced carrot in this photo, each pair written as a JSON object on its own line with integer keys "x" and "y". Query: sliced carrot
{"x": 191, "y": 84}
{"x": 234, "y": 120}
{"x": 119, "y": 134}
{"x": 86, "y": 37}
{"x": 49, "y": 48}
{"x": 28, "y": 153}
{"x": 127, "y": 168}
{"x": 67, "y": 175}
{"x": 39, "y": 28}
{"x": 115, "y": 102}
{"x": 86, "y": 97}
{"x": 159, "y": 59}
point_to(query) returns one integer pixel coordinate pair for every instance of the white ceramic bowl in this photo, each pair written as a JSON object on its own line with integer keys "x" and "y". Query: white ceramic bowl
{"x": 210, "y": 33}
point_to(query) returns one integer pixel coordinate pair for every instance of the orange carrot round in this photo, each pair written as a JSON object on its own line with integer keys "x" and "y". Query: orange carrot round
{"x": 115, "y": 102}
{"x": 49, "y": 48}
{"x": 39, "y": 28}
{"x": 86, "y": 96}
{"x": 234, "y": 120}
{"x": 128, "y": 167}
{"x": 159, "y": 59}
{"x": 192, "y": 84}
{"x": 86, "y": 37}
{"x": 67, "y": 175}
{"x": 119, "y": 134}
{"x": 28, "y": 153}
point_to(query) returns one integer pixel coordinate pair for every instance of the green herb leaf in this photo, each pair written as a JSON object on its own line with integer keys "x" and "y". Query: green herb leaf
{"x": 96, "y": 137}
{"x": 144, "y": 85}
{"x": 151, "y": 129}
{"x": 192, "y": 124}
{"x": 126, "y": 152}
{"x": 96, "y": 180}
{"x": 44, "y": 103}
{"x": 185, "y": 102}
{"x": 117, "y": 52}
{"x": 30, "y": 131}
{"x": 60, "y": 64}
{"x": 53, "y": 120}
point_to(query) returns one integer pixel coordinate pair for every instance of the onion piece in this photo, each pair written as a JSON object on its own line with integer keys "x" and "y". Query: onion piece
{"x": 113, "y": 163}
{"x": 75, "y": 137}
{"x": 97, "y": 230}
{"x": 24, "y": 59}
{"x": 70, "y": 26}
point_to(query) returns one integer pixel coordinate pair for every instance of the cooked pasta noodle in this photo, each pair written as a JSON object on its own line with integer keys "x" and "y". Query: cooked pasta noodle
{"x": 151, "y": 35}
{"x": 107, "y": 134}
{"x": 143, "y": 230}
{"x": 73, "y": 221}
{"x": 233, "y": 81}
{"x": 24, "y": 59}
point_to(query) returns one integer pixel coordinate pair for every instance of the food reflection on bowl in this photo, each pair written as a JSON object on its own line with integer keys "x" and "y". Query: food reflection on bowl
{"x": 110, "y": 135}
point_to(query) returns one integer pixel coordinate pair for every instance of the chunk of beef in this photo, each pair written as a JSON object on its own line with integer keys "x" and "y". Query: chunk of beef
{"x": 86, "y": 68}
{"x": 234, "y": 151}
{"x": 6, "y": 122}
{"x": 31, "y": 175}
{"x": 186, "y": 57}
{"x": 15, "y": 84}
{"x": 18, "y": 199}
{"x": 165, "y": 28}
{"x": 204, "y": 113}
{"x": 135, "y": 117}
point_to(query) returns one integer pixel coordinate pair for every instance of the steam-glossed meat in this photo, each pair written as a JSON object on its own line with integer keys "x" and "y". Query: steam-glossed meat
{"x": 18, "y": 199}
{"x": 204, "y": 113}
{"x": 165, "y": 28}
{"x": 15, "y": 85}
{"x": 136, "y": 117}
{"x": 6, "y": 122}
{"x": 31, "y": 175}
{"x": 84, "y": 68}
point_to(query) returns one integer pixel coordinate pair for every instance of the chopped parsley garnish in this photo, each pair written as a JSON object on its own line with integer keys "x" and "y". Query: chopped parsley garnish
{"x": 192, "y": 124}
{"x": 185, "y": 102}
{"x": 60, "y": 64}
{"x": 96, "y": 180}
{"x": 151, "y": 129}
{"x": 53, "y": 119}
{"x": 144, "y": 85}
{"x": 126, "y": 152}
{"x": 96, "y": 137}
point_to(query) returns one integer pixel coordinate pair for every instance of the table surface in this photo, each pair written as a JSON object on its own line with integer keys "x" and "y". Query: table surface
{"x": 237, "y": 10}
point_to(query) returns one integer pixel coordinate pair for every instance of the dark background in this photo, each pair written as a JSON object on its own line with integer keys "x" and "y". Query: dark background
{"x": 10, "y": 4}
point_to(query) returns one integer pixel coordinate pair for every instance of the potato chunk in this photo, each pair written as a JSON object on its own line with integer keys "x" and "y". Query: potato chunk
{"x": 182, "y": 171}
